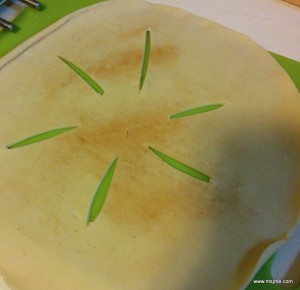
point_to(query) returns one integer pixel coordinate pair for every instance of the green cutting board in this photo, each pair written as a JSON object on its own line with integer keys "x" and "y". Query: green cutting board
{"x": 30, "y": 22}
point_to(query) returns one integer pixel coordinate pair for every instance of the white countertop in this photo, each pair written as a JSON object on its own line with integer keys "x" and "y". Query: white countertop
{"x": 274, "y": 24}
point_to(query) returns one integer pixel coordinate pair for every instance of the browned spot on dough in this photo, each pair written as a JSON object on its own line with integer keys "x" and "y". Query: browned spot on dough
{"x": 130, "y": 61}
{"x": 155, "y": 205}
{"x": 141, "y": 126}
{"x": 163, "y": 53}
{"x": 137, "y": 32}
{"x": 132, "y": 201}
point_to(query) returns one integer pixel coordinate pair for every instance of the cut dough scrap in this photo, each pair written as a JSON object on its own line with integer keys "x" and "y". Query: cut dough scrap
{"x": 159, "y": 228}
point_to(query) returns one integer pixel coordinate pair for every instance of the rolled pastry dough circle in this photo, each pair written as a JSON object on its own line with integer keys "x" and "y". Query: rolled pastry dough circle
{"x": 159, "y": 228}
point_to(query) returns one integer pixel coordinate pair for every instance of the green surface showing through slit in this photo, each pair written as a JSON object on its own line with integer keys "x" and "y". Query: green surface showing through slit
{"x": 89, "y": 80}
{"x": 40, "y": 137}
{"x": 30, "y": 22}
{"x": 146, "y": 59}
{"x": 195, "y": 111}
{"x": 102, "y": 191}
{"x": 181, "y": 166}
